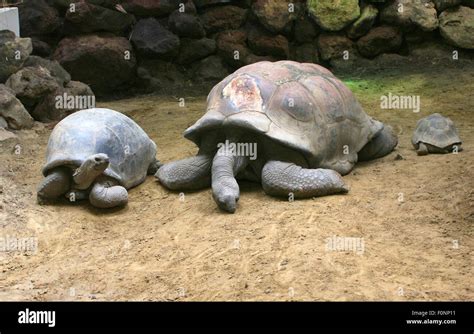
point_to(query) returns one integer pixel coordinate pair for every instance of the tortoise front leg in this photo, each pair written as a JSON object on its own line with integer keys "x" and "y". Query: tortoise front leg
{"x": 106, "y": 193}
{"x": 282, "y": 178}
{"x": 188, "y": 174}
{"x": 57, "y": 183}
{"x": 422, "y": 149}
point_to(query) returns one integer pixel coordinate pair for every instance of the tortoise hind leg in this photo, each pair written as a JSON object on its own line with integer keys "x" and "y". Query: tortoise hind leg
{"x": 380, "y": 145}
{"x": 106, "y": 193}
{"x": 55, "y": 184}
{"x": 282, "y": 178}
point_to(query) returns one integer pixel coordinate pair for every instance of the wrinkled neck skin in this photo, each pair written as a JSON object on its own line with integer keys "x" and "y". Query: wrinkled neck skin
{"x": 86, "y": 174}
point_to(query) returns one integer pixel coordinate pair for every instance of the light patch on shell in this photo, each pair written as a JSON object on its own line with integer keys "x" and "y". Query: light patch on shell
{"x": 244, "y": 93}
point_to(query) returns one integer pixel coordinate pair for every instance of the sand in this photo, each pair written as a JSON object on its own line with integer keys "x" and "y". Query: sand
{"x": 407, "y": 222}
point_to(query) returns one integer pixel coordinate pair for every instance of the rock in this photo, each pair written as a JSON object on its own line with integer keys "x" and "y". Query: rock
{"x": 206, "y": 3}
{"x": 210, "y": 69}
{"x": 333, "y": 15}
{"x": 151, "y": 7}
{"x": 304, "y": 30}
{"x": 31, "y": 85}
{"x": 232, "y": 48}
{"x": 276, "y": 15}
{"x": 103, "y": 61}
{"x": 3, "y": 123}
{"x": 266, "y": 44}
{"x": 12, "y": 111}
{"x": 380, "y": 40}
{"x": 333, "y": 46}
{"x": 194, "y": 49}
{"x": 363, "y": 24}
{"x": 162, "y": 75}
{"x": 41, "y": 48}
{"x": 306, "y": 53}
{"x": 409, "y": 13}
{"x": 56, "y": 70}
{"x": 37, "y": 17}
{"x": 223, "y": 18}
{"x": 417, "y": 36}
{"x": 64, "y": 101}
{"x": 456, "y": 25}
{"x": 151, "y": 39}
{"x": 8, "y": 140}
{"x": 13, "y": 53}
{"x": 468, "y": 3}
{"x": 104, "y": 3}
{"x": 88, "y": 18}
{"x": 186, "y": 25}
{"x": 441, "y": 5}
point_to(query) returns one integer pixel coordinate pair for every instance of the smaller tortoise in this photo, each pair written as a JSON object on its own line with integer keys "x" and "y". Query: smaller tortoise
{"x": 99, "y": 153}
{"x": 435, "y": 134}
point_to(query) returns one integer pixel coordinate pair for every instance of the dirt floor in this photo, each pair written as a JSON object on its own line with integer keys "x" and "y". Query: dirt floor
{"x": 412, "y": 219}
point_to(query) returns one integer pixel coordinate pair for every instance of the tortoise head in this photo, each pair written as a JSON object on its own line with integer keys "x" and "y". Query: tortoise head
{"x": 92, "y": 167}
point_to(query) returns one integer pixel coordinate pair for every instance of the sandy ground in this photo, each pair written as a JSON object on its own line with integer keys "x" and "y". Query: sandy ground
{"x": 412, "y": 216}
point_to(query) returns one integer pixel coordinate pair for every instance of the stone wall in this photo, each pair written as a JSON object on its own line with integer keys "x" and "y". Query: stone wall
{"x": 160, "y": 45}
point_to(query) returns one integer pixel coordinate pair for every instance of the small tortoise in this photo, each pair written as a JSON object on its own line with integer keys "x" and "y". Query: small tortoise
{"x": 435, "y": 134}
{"x": 99, "y": 153}
{"x": 306, "y": 125}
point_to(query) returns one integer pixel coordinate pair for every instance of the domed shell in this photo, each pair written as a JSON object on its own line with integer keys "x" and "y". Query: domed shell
{"x": 435, "y": 130}
{"x": 98, "y": 130}
{"x": 301, "y": 105}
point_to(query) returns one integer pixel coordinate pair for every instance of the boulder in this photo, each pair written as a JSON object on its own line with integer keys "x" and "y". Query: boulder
{"x": 379, "y": 40}
{"x": 409, "y": 13}
{"x": 192, "y": 50}
{"x": 443, "y": 4}
{"x": 31, "y": 85}
{"x": 306, "y": 53}
{"x": 56, "y": 70}
{"x": 12, "y": 110}
{"x": 333, "y": 15}
{"x": 276, "y": 15}
{"x": 161, "y": 75}
{"x": 151, "y": 39}
{"x": 186, "y": 25}
{"x": 210, "y": 69}
{"x": 456, "y": 25}
{"x": 85, "y": 18}
{"x": 363, "y": 24}
{"x": 41, "y": 48}
{"x": 207, "y": 3}
{"x": 13, "y": 53}
{"x": 223, "y": 18}
{"x": 304, "y": 30}
{"x": 103, "y": 61}
{"x": 64, "y": 101}
{"x": 231, "y": 46}
{"x": 332, "y": 45}
{"x": 151, "y": 7}
{"x": 266, "y": 44}
{"x": 37, "y": 17}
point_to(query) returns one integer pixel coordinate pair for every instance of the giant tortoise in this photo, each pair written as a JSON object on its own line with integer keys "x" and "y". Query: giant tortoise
{"x": 99, "y": 154}
{"x": 307, "y": 126}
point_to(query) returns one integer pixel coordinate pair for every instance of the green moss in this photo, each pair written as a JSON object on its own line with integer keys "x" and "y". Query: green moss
{"x": 333, "y": 15}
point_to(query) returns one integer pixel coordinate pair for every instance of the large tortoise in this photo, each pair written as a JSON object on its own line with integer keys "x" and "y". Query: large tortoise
{"x": 99, "y": 153}
{"x": 435, "y": 134}
{"x": 306, "y": 124}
